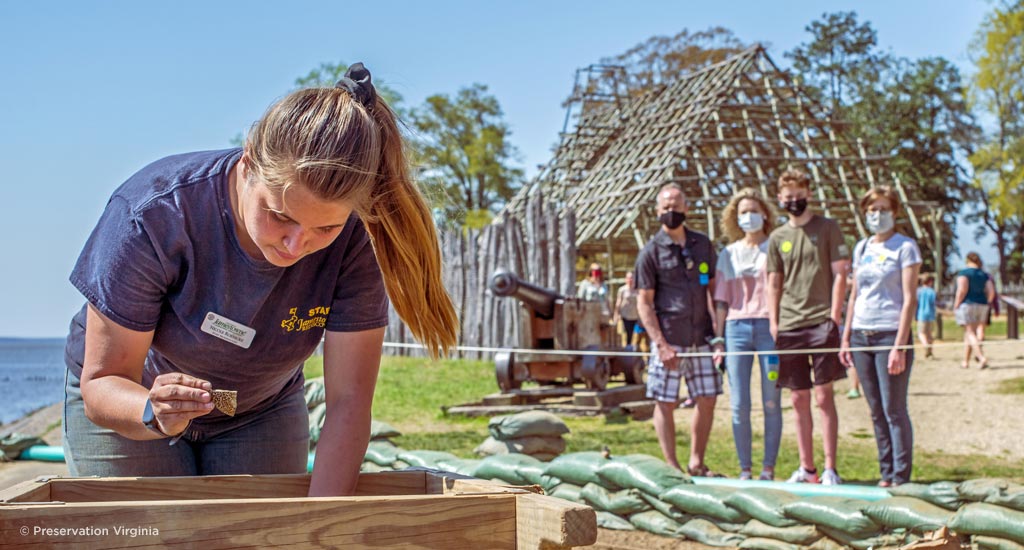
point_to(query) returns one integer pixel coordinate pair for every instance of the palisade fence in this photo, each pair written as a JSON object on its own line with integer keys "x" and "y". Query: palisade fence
{"x": 539, "y": 248}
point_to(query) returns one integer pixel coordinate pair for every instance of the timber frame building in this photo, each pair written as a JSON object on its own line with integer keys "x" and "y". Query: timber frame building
{"x": 735, "y": 124}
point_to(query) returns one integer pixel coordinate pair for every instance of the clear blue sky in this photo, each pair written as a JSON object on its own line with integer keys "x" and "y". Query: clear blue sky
{"x": 92, "y": 91}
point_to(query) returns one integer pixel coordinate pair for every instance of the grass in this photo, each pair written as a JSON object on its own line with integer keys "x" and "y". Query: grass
{"x": 412, "y": 391}
{"x": 1012, "y": 386}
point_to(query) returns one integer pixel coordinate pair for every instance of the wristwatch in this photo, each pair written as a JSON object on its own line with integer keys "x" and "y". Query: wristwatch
{"x": 149, "y": 420}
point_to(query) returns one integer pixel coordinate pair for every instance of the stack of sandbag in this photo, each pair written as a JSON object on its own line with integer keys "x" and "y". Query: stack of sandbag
{"x": 993, "y": 513}
{"x": 535, "y": 433}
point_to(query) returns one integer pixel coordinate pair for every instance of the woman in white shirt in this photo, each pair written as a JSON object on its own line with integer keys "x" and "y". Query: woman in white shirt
{"x": 741, "y": 310}
{"x": 883, "y": 299}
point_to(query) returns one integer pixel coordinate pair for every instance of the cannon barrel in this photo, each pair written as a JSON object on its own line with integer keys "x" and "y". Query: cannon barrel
{"x": 539, "y": 299}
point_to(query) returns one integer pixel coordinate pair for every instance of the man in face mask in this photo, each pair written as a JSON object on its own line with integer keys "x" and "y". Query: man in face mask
{"x": 808, "y": 260}
{"x": 675, "y": 282}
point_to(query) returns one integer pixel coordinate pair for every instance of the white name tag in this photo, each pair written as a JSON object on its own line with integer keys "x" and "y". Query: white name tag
{"x": 228, "y": 330}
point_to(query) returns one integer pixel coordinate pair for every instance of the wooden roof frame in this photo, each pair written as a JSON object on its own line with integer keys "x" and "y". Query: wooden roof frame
{"x": 731, "y": 125}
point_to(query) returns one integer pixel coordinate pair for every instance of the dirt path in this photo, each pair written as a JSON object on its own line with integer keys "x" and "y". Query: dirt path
{"x": 953, "y": 410}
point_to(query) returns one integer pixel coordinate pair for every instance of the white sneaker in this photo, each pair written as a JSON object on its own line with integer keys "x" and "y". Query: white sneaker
{"x": 830, "y": 477}
{"x": 803, "y": 476}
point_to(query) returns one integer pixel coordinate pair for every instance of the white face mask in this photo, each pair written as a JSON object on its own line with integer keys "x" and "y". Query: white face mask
{"x": 750, "y": 222}
{"x": 879, "y": 222}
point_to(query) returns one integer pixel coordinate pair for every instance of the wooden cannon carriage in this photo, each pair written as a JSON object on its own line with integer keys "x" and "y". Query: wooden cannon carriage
{"x": 554, "y": 322}
{"x": 404, "y": 509}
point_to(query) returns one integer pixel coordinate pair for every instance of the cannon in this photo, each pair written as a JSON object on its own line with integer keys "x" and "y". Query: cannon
{"x": 551, "y": 321}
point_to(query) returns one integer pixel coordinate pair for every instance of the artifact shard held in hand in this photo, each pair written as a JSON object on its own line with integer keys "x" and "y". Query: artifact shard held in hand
{"x": 225, "y": 401}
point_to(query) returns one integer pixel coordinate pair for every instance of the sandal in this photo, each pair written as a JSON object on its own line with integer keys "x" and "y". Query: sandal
{"x": 984, "y": 364}
{"x": 964, "y": 366}
{"x": 702, "y": 471}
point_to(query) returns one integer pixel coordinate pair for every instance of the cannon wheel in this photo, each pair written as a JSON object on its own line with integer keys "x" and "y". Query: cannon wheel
{"x": 504, "y": 370}
{"x": 634, "y": 371}
{"x": 596, "y": 370}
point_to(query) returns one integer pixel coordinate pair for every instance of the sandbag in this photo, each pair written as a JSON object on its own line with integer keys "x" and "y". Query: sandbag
{"x": 979, "y": 490}
{"x": 608, "y": 520}
{"x": 941, "y": 493}
{"x": 907, "y": 513}
{"x": 758, "y": 543}
{"x": 579, "y": 468}
{"x": 424, "y": 459}
{"x": 526, "y": 424}
{"x": 314, "y": 392}
{"x": 643, "y": 472}
{"x": 763, "y": 504}
{"x": 800, "y": 535}
{"x": 623, "y": 503}
{"x": 839, "y": 513}
{"x": 446, "y": 464}
{"x": 706, "y": 532}
{"x": 868, "y": 543}
{"x": 382, "y": 430}
{"x": 704, "y": 500}
{"x": 994, "y": 543}
{"x": 988, "y": 519}
{"x": 370, "y": 467}
{"x": 468, "y": 467}
{"x": 316, "y": 423}
{"x": 509, "y": 468}
{"x": 382, "y": 453}
{"x": 533, "y": 472}
{"x": 825, "y": 543}
{"x": 545, "y": 457}
{"x": 532, "y": 445}
{"x": 655, "y": 522}
{"x": 568, "y": 491}
{"x": 665, "y": 508}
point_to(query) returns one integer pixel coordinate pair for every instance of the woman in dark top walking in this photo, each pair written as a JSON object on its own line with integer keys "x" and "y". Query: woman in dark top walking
{"x": 974, "y": 293}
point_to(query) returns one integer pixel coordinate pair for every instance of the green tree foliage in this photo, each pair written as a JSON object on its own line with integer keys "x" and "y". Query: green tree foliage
{"x": 913, "y": 111}
{"x": 998, "y": 90}
{"x": 465, "y": 155}
{"x": 841, "y": 54}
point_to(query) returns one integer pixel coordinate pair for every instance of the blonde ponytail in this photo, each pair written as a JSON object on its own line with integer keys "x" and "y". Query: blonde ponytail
{"x": 337, "y": 148}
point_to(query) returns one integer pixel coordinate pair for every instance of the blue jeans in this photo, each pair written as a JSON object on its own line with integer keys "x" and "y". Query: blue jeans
{"x": 887, "y": 397}
{"x": 274, "y": 440}
{"x": 752, "y": 335}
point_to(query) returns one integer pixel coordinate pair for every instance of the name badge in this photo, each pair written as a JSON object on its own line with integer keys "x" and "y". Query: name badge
{"x": 228, "y": 330}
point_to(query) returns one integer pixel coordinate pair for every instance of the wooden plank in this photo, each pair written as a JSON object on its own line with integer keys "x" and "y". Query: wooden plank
{"x": 566, "y": 409}
{"x": 35, "y": 490}
{"x": 544, "y": 522}
{"x": 611, "y": 397}
{"x": 222, "y": 487}
{"x": 418, "y": 521}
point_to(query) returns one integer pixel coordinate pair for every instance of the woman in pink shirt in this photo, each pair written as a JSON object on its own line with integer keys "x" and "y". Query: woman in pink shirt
{"x": 741, "y": 310}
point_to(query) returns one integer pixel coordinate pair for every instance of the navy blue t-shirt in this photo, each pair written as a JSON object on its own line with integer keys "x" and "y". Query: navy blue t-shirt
{"x": 165, "y": 254}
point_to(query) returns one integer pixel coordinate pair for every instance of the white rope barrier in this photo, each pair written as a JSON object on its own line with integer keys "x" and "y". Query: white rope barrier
{"x": 608, "y": 353}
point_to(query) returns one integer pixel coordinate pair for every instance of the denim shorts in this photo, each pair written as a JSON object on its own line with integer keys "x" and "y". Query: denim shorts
{"x": 273, "y": 440}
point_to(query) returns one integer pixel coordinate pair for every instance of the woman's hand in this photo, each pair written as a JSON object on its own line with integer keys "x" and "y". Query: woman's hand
{"x": 897, "y": 362}
{"x": 845, "y": 356}
{"x": 178, "y": 398}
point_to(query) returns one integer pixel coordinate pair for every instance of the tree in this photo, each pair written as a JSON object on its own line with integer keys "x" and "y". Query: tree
{"x": 998, "y": 91}
{"x": 465, "y": 155}
{"x": 914, "y": 112}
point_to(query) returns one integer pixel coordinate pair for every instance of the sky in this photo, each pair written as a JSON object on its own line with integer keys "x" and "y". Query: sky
{"x": 92, "y": 91}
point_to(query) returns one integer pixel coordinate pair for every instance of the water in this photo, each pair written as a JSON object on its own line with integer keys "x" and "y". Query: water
{"x": 31, "y": 375}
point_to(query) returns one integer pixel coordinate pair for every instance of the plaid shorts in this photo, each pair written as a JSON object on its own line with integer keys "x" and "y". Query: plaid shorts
{"x": 702, "y": 378}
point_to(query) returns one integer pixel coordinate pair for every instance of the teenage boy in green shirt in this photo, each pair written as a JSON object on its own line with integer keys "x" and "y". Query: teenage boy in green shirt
{"x": 808, "y": 260}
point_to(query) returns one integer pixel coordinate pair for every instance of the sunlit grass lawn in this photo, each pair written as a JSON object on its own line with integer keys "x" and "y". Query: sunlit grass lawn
{"x": 412, "y": 391}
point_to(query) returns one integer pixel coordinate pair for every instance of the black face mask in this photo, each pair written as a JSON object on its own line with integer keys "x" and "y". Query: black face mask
{"x": 672, "y": 219}
{"x": 796, "y": 207}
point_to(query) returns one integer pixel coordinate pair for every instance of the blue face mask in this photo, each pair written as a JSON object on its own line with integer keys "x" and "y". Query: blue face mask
{"x": 750, "y": 222}
{"x": 879, "y": 222}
